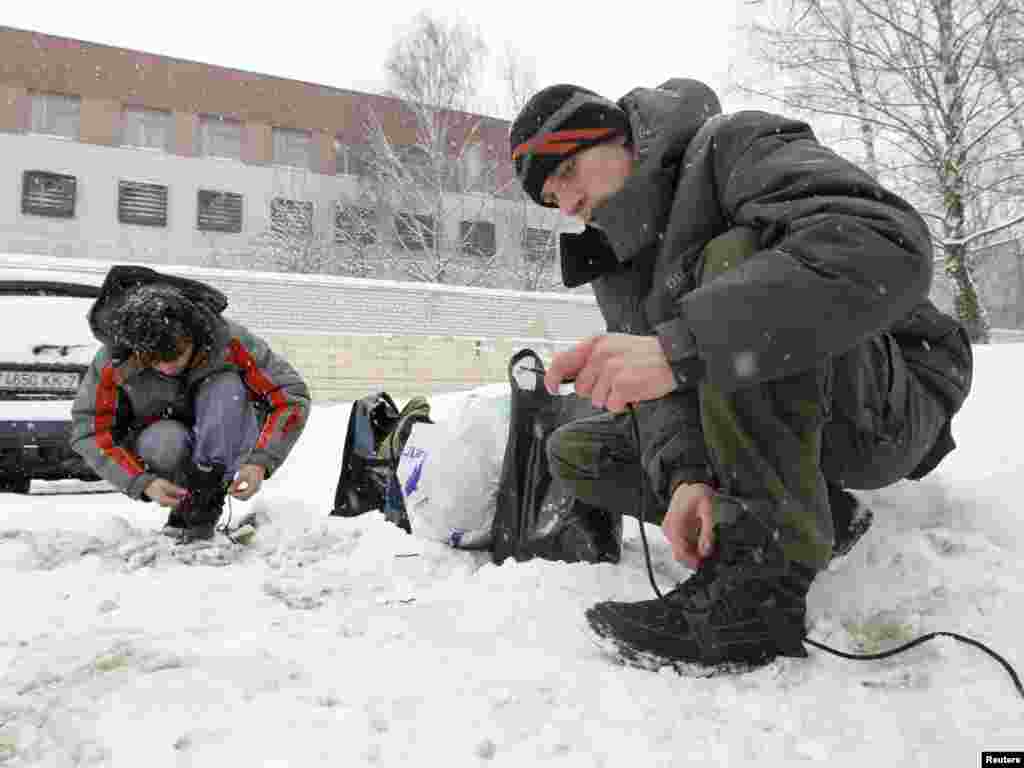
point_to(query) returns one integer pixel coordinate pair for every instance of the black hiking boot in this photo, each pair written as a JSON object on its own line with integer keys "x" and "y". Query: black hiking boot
{"x": 744, "y": 606}
{"x": 850, "y": 520}
{"x": 202, "y": 508}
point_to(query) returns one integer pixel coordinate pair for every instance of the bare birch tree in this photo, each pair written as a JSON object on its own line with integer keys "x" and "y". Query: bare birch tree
{"x": 532, "y": 267}
{"x": 357, "y": 232}
{"x": 437, "y": 185}
{"x": 291, "y": 243}
{"x": 935, "y": 88}
{"x": 302, "y": 235}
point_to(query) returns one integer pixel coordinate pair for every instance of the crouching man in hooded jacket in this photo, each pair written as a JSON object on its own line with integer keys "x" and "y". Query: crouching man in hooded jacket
{"x": 767, "y": 314}
{"x": 182, "y": 406}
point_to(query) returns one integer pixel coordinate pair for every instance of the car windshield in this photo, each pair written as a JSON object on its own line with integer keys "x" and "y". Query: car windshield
{"x": 45, "y": 330}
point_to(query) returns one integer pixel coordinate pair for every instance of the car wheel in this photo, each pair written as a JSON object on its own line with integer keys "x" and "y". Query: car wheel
{"x": 15, "y": 484}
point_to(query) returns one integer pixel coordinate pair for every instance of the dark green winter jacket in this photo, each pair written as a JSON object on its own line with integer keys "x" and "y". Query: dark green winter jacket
{"x": 841, "y": 258}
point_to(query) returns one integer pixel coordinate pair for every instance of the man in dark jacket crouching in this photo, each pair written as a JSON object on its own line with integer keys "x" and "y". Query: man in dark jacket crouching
{"x": 182, "y": 406}
{"x": 767, "y": 313}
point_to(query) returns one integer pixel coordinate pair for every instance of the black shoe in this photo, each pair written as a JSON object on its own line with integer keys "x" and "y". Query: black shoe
{"x": 202, "y": 508}
{"x": 200, "y": 532}
{"x": 850, "y": 520}
{"x": 744, "y": 606}
{"x": 175, "y": 525}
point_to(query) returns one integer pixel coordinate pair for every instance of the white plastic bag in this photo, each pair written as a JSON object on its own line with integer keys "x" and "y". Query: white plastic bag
{"x": 450, "y": 470}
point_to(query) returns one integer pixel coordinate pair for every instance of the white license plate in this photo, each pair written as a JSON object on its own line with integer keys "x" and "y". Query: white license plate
{"x": 45, "y": 381}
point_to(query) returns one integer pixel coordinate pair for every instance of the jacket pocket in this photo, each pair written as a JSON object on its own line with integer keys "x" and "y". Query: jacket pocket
{"x": 937, "y": 349}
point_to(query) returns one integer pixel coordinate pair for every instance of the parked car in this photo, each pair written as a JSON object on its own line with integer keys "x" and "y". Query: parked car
{"x": 46, "y": 347}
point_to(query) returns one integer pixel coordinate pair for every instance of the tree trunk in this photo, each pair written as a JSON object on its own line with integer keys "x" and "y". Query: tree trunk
{"x": 966, "y": 302}
{"x": 952, "y": 179}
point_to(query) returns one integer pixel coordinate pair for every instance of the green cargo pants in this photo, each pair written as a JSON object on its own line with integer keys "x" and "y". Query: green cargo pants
{"x": 860, "y": 420}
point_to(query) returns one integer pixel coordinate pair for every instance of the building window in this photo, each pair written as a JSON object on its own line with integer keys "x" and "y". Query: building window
{"x": 353, "y": 159}
{"x": 340, "y": 158}
{"x": 218, "y": 211}
{"x": 292, "y": 147}
{"x": 291, "y": 217}
{"x": 48, "y": 194}
{"x": 355, "y": 225}
{"x": 416, "y": 164}
{"x": 150, "y": 128}
{"x": 142, "y": 203}
{"x": 471, "y": 167}
{"x": 55, "y": 114}
{"x": 477, "y": 238}
{"x": 415, "y": 231}
{"x": 539, "y": 244}
{"x": 220, "y": 137}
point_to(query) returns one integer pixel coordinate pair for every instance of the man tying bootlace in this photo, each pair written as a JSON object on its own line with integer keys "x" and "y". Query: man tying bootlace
{"x": 182, "y": 406}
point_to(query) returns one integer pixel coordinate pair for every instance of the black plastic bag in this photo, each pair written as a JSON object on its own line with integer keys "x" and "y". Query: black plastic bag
{"x": 536, "y": 515}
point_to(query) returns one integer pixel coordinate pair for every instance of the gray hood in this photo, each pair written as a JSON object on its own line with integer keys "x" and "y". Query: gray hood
{"x": 208, "y": 302}
{"x": 663, "y": 120}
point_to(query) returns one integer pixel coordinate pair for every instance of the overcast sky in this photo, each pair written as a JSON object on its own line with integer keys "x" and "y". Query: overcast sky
{"x": 609, "y": 51}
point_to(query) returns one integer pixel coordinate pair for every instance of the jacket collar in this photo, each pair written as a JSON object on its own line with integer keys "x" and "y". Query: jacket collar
{"x": 663, "y": 120}
{"x": 623, "y": 226}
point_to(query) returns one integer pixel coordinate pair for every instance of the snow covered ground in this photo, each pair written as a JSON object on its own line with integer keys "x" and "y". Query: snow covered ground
{"x": 346, "y": 642}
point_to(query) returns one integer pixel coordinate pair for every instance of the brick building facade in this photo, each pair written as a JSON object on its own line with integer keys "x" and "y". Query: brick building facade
{"x": 116, "y": 154}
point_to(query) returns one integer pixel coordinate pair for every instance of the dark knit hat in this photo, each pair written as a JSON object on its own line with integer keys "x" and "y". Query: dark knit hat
{"x": 153, "y": 318}
{"x": 557, "y": 123}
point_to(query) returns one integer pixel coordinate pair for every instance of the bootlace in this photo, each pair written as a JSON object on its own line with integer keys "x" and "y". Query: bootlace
{"x": 704, "y": 575}
{"x": 739, "y": 597}
{"x": 698, "y": 583}
{"x": 225, "y": 527}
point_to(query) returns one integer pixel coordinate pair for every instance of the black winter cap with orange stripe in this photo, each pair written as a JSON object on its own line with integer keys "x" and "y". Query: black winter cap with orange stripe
{"x": 555, "y": 124}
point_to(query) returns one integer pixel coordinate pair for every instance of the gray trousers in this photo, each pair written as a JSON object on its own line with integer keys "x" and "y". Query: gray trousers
{"x": 226, "y": 429}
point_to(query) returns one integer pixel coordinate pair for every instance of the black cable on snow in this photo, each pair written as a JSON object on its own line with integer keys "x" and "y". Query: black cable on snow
{"x": 821, "y": 646}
